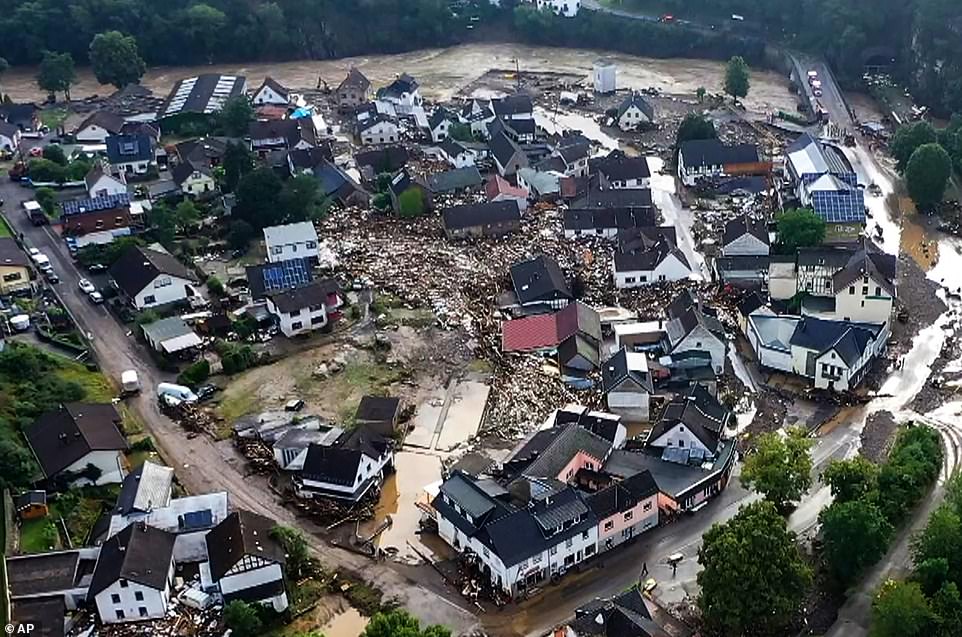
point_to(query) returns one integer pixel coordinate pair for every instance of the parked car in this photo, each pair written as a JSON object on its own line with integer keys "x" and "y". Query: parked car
{"x": 294, "y": 405}
{"x": 86, "y": 286}
{"x": 206, "y": 391}
{"x": 51, "y": 276}
{"x": 96, "y": 297}
{"x": 96, "y": 267}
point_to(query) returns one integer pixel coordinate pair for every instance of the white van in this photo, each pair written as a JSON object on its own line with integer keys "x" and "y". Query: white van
{"x": 42, "y": 262}
{"x": 130, "y": 381}
{"x": 178, "y": 392}
{"x": 738, "y": 18}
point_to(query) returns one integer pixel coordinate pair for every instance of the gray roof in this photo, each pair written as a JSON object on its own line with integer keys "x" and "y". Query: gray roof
{"x": 204, "y": 93}
{"x": 847, "y": 338}
{"x": 619, "y": 167}
{"x": 672, "y": 478}
{"x": 699, "y": 411}
{"x": 740, "y": 226}
{"x": 614, "y": 198}
{"x": 682, "y": 325}
{"x": 356, "y": 80}
{"x": 563, "y": 448}
{"x": 615, "y": 371}
{"x": 468, "y": 495}
{"x": 166, "y": 329}
{"x": 636, "y": 99}
{"x": 457, "y": 179}
{"x": 11, "y": 254}
{"x": 305, "y": 296}
{"x": 42, "y": 573}
{"x": 146, "y": 487}
{"x": 480, "y": 214}
{"x": 290, "y": 233}
{"x": 539, "y": 279}
{"x": 140, "y": 553}
{"x": 242, "y": 533}
{"x": 504, "y": 148}
{"x": 61, "y": 437}
{"x": 879, "y": 266}
{"x": 712, "y": 152}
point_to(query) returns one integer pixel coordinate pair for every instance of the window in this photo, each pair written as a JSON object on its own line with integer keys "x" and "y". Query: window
{"x": 851, "y": 289}
{"x": 139, "y": 596}
{"x": 878, "y": 291}
{"x": 629, "y": 279}
{"x": 643, "y": 278}
{"x": 296, "y": 313}
{"x": 162, "y": 282}
{"x": 589, "y": 550}
{"x": 13, "y": 276}
{"x": 681, "y": 444}
{"x": 120, "y": 614}
{"x": 661, "y": 277}
{"x": 569, "y": 543}
{"x": 115, "y": 598}
{"x": 318, "y": 319}
{"x": 297, "y": 325}
{"x": 646, "y": 506}
{"x": 629, "y": 515}
{"x": 123, "y": 583}
{"x": 522, "y": 565}
{"x": 150, "y": 300}
{"x": 584, "y": 536}
{"x": 294, "y": 248}
{"x": 310, "y": 245}
{"x": 485, "y": 551}
{"x": 864, "y": 290}
{"x": 554, "y": 550}
{"x": 536, "y": 559}
{"x": 143, "y": 611}
{"x": 277, "y": 250}
{"x": 610, "y": 524}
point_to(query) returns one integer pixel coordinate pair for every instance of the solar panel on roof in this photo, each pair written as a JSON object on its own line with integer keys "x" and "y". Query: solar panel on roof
{"x": 197, "y": 520}
{"x": 839, "y": 206}
{"x": 286, "y": 275}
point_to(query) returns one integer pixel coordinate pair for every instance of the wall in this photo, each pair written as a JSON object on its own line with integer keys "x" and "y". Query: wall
{"x": 381, "y": 133}
{"x": 164, "y": 294}
{"x": 700, "y": 339}
{"x": 97, "y": 221}
{"x": 249, "y": 579}
{"x": 106, "y": 186}
{"x": 109, "y": 463}
{"x": 300, "y": 249}
{"x": 580, "y": 461}
{"x": 643, "y": 516}
{"x": 92, "y": 134}
{"x": 267, "y": 95}
{"x": 154, "y": 601}
{"x": 670, "y": 268}
{"x": 746, "y": 245}
{"x": 633, "y": 406}
{"x": 852, "y": 305}
{"x": 681, "y": 437}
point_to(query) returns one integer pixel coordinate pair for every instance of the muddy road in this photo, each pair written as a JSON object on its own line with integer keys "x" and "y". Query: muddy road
{"x": 443, "y": 72}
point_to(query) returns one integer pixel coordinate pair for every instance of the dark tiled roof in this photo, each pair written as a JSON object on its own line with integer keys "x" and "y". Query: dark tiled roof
{"x": 402, "y": 84}
{"x": 182, "y": 171}
{"x": 137, "y": 267}
{"x": 338, "y": 464}
{"x": 122, "y": 149}
{"x": 293, "y": 131}
{"x": 741, "y": 263}
{"x": 613, "y": 198}
{"x": 712, "y": 152}
{"x": 740, "y": 226}
{"x": 880, "y": 267}
{"x": 700, "y": 412}
{"x": 503, "y": 148}
{"x": 299, "y": 298}
{"x": 310, "y": 158}
{"x": 46, "y": 614}
{"x": 516, "y": 104}
{"x": 61, "y": 438}
{"x": 354, "y": 80}
{"x": 623, "y": 495}
{"x": 612, "y": 218}
{"x": 29, "y": 498}
{"x": 578, "y": 345}
{"x": 439, "y": 116}
{"x": 31, "y": 575}
{"x": 615, "y": 371}
{"x": 106, "y": 120}
{"x": 383, "y": 160}
{"x": 464, "y": 490}
{"x": 539, "y": 279}
{"x": 377, "y": 409}
{"x": 241, "y": 533}
{"x": 563, "y": 448}
{"x": 648, "y": 258}
{"x": 139, "y": 553}
{"x": 749, "y": 303}
{"x": 847, "y": 338}
{"x": 274, "y": 85}
{"x": 636, "y": 99}
{"x": 472, "y": 215}
{"x": 457, "y": 179}
{"x": 617, "y": 166}
{"x": 202, "y": 94}
{"x": 11, "y": 254}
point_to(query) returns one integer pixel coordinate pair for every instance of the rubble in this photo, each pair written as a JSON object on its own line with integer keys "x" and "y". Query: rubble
{"x": 877, "y": 436}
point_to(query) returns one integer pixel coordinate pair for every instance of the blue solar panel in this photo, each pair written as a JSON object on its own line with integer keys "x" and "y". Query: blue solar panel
{"x": 285, "y": 275}
{"x": 843, "y": 206}
{"x": 80, "y": 206}
{"x": 197, "y": 519}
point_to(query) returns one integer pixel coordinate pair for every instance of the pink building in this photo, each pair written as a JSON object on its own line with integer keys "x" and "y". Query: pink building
{"x": 625, "y": 509}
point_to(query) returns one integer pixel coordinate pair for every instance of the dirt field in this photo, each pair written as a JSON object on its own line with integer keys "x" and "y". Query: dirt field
{"x": 443, "y": 72}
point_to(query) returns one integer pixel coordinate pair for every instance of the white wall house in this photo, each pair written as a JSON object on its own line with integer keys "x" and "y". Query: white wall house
{"x": 681, "y": 437}
{"x": 627, "y": 385}
{"x": 271, "y": 93}
{"x": 378, "y": 131}
{"x": 150, "y": 278}
{"x": 603, "y": 74}
{"x": 867, "y": 300}
{"x": 304, "y": 309}
{"x": 347, "y": 470}
{"x": 101, "y": 184}
{"x": 456, "y": 154}
{"x": 291, "y": 241}
{"x": 638, "y": 272}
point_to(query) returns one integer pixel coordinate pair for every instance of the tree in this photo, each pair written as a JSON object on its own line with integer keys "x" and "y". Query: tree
{"x": 54, "y": 153}
{"x": 242, "y": 619}
{"x": 46, "y": 171}
{"x": 4, "y": 65}
{"x": 257, "y": 199}
{"x": 901, "y": 610}
{"x": 693, "y": 127}
{"x": 460, "y": 132}
{"x": 299, "y": 561}
{"x": 47, "y": 199}
{"x": 907, "y": 139}
{"x": 215, "y": 286}
{"x": 299, "y": 198}
{"x": 163, "y": 220}
{"x": 186, "y": 215}
{"x": 400, "y": 623}
{"x": 238, "y": 161}
{"x": 737, "y": 78}
{"x": 240, "y": 234}
{"x": 16, "y": 465}
{"x": 947, "y": 606}
{"x": 941, "y": 539}
{"x": 851, "y": 479}
{"x": 235, "y": 116}
{"x": 115, "y": 59}
{"x": 56, "y": 73}
{"x": 799, "y": 228}
{"x": 700, "y": 94}
{"x": 411, "y": 203}
{"x": 753, "y": 578}
{"x": 205, "y": 24}
{"x": 856, "y": 536}
{"x": 780, "y": 467}
{"x": 927, "y": 175}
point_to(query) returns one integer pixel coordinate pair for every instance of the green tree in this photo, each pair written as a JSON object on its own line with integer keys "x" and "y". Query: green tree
{"x": 163, "y": 221}
{"x": 195, "y": 374}
{"x": 54, "y": 153}
{"x": 240, "y": 234}
{"x": 700, "y": 94}
{"x": 44, "y": 171}
{"x": 460, "y": 132}
{"x": 242, "y": 619}
{"x": 299, "y": 561}
{"x": 16, "y": 465}
{"x": 799, "y": 228}
{"x": 186, "y": 215}
{"x": 737, "y": 78}
{"x": 47, "y": 199}
{"x": 205, "y": 23}
{"x": 931, "y": 574}
{"x": 907, "y": 139}
{"x": 215, "y": 286}
{"x": 257, "y": 199}
{"x": 236, "y": 115}
{"x": 901, "y": 610}
{"x": 851, "y": 479}
{"x": 780, "y": 467}
{"x": 115, "y": 59}
{"x": 300, "y": 198}
{"x": 753, "y": 577}
{"x": 947, "y": 606}
{"x": 411, "y": 203}
{"x": 400, "y": 623}
{"x": 927, "y": 175}
{"x": 694, "y": 127}
{"x": 56, "y": 73}
{"x": 856, "y": 536}
{"x": 941, "y": 539}
{"x": 4, "y": 66}
{"x": 238, "y": 161}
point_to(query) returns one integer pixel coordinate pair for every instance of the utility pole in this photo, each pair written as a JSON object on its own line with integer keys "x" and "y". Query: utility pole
{"x": 517, "y": 73}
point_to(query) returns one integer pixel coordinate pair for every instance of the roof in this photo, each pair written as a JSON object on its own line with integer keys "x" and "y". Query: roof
{"x": 617, "y": 166}
{"x": 30, "y": 575}
{"x": 383, "y": 160}
{"x": 172, "y": 334}
{"x": 480, "y": 214}
{"x": 123, "y": 149}
{"x": 545, "y": 331}
{"x": 613, "y": 198}
{"x": 637, "y": 100}
{"x": 62, "y": 437}
{"x": 241, "y": 533}
{"x": 839, "y": 206}
{"x": 354, "y": 80}
{"x": 808, "y": 156}
{"x": 185, "y": 169}
{"x": 334, "y": 181}
{"x": 457, "y": 179}
{"x": 712, "y": 152}
{"x": 563, "y": 448}
{"x": 648, "y": 256}
{"x": 403, "y": 83}
{"x": 614, "y": 219}
{"x": 200, "y": 151}
{"x": 539, "y": 279}
{"x": 574, "y": 152}
{"x": 847, "y": 338}
{"x": 452, "y": 147}
{"x": 266, "y": 278}
{"x": 675, "y": 479}
{"x": 309, "y": 295}
{"x": 699, "y": 411}
{"x": 145, "y": 488}
{"x": 878, "y": 266}
{"x": 110, "y": 122}
{"x": 377, "y": 409}
{"x": 29, "y": 498}
{"x": 310, "y": 158}
{"x": 832, "y": 256}
{"x": 516, "y": 104}
{"x": 750, "y": 302}
{"x": 289, "y": 233}
{"x": 97, "y": 204}
{"x": 44, "y": 613}
{"x": 275, "y": 86}
{"x": 578, "y": 345}
{"x": 757, "y": 263}
{"x": 204, "y": 94}
{"x": 503, "y": 148}
{"x": 8, "y": 130}
{"x": 743, "y": 225}
{"x": 439, "y": 116}
{"x": 137, "y": 267}
{"x": 681, "y": 326}
{"x": 11, "y": 254}
{"x": 293, "y": 131}
{"x": 464, "y": 490}
{"x": 625, "y": 615}
{"x": 497, "y": 186}
{"x": 623, "y": 495}
{"x": 19, "y": 114}
{"x": 624, "y": 365}
{"x": 140, "y": 553}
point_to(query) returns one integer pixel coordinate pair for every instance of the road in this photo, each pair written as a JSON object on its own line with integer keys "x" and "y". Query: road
{"x": 202, "y": 464}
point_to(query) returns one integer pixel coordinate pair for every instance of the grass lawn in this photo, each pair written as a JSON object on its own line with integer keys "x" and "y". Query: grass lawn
{"x": 235, "y": 406}
{"x": 95, "y": 385}
{"x": 82, "y": 507}
{"x": 4, "y": 228}
{"x": 357, "y": 380}
{"x": 39, "y": 536}
{"x": 53, "y": 117}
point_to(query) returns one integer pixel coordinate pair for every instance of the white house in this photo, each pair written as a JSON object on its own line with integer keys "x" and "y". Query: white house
{"x": 102, "y": 184}
{"x": 710, "y": 158}
{"x": 745, "y": 237}
{"x": 635, "y": 111}
{"x": 81, "y": 442}
{"x": 627, "y": 385}
{"x": 456, "y": 154}
{"x": 617, "y": 170}
{"x": 134, "y": 575}
{"x": 603, "y": 75}
{"x": 290, "y": 449}
{"x": 291, "y": 241}
{"x": 245, "y": 561}
{"x": 691, "y": 329}
{"x": 9, "y": 137}
{"x": 440, "y": 124}
{"x": 403, "y": 93}
{"x": 660, "y": 261}
{"x": 193, "y": 180}
{"x": 307, "y": 308}
{"x": 271, "y": 93}
{"x": 346, "y": 470}
{"x": 150, "y": 278}
{"x": 695, "y": 421}
{"x": 378, "y": 130}
{"x": 130, "y": 154}
{"x": 97, "y": 127}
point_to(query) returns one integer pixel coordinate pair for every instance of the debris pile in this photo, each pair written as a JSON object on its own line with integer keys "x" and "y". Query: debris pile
{"x": 181, "y": 619}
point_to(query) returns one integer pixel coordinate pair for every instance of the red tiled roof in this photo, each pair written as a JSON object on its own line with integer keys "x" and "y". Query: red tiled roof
{"x": 498, "y": 185}
{"x": 541, "y": 331}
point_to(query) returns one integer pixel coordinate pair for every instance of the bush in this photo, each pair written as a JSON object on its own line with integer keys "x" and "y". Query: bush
{"x": 243, "y": 619}
{"x": 240, "y": 234}
{"x": 215, "y": 286}
{"x": 143, "y": 445}
{"x": 54, "y": 153}
{"x": 194, "y": 375}
{"x": 411, "y": 203}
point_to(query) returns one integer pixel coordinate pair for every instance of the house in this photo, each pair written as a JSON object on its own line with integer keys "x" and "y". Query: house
{"x": 439, "y": 123}
{"x": 617, "y": 170}
{"x": 306, "y": 308}
{"x": 748, "y": 272}
{"x": 245, "y": 561}
{"x": 514, "y": 107}
{"x": 378, "y": 130}
{"x": 9, "y": 137}
{"x": 499, "y": 189}
{"x": 627, "y": 385}
{"x": 403, "y": 93}
{"x": 545, "y": 332}
{"x": 459, "y": 180}
{"x": 389, "y": 159}
{"x": 631, "y": 199}
{"x": 290, "y": 447}
{"x": 202, "y": 94}
{"x": 708, "y": 159}
{"x": 415, "y": 193}
{"x": 625, "y": 509}
{"x": 635, "y": 112}
{"x": 25, "y": 117}
{"x": 456, "y": 154}
{"x": 744, "y": 236}
{"x": 63, "y": 576}
{"x": 149, "y": 278}
{"x": 379, "y": 414}
{"x": 98, "y": 126}
{"x": 838, "y": 201}
{"x": 865, "y": 288}
{"x": 31, "y": 505}
{"x": 654, "y": 257}
{"x": 134, "y": 575}
{"x": 104, "y": 218}
{"x": 272, "y": 93}
{"x": 146, "y": 488}
{"x": 14, "y": 267}
{"x": 284, "y": 134}
{"x": 346, "y": 470}
{"x": 646, "y": 336}
{"x": 305, "y": 160}
{"x": 541, "y": 186}
{"x": 508, "y": 156}
{"x": 77, "y": 435}
{"x": 207, "y": 152}
{"x": 807, "y": 159}
{"x": 194, "y": 180}
{"x": 130, "y": 154}
{"x": 478, "y": 115}
{"x": 691, "y": 425}
{"x": 609, "y": 222}
{"x": 492, "y": 219}
{"x": 625, "y": 615}
{"x": 102, "y": 184}
{"x": 291, "y": 241}
{"x": 354, "y": 90}
{"x": 691, "y": 329}
{"x": 170, "y": 335}
{"x": 336, "y": 184}
{"x": 540, "y": 285}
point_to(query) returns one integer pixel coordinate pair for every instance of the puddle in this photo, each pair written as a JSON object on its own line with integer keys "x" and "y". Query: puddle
{"x": 349, "y": 623}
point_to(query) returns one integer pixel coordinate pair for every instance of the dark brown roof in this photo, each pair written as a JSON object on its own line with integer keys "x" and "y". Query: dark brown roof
{"x": 11, "y": 254}
{"x": 314, "y": 293}
{"x": 106, "y": 120}
{"x": 61, "y": 438}
{"x": 275, "y": 86}
{"x": 377, "y": 409}
{"x": 137, "y": 267}
{"x": 45, "y": 613}
{"x": 241, "y": 533}
{"x": 45, "y": 573}
{"x": 139, "y": 553}
{"x": 356, "y": 80}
